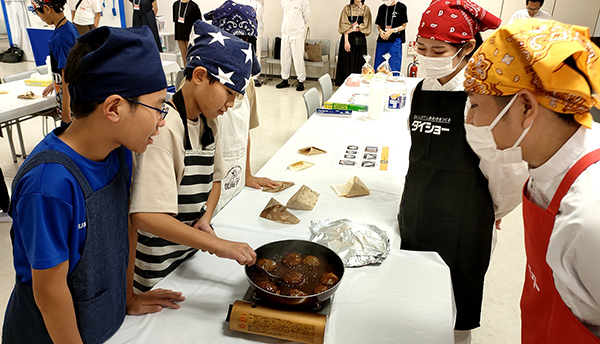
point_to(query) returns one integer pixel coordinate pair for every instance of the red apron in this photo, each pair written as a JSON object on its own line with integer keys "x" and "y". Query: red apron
{"x": 545, "y": 317}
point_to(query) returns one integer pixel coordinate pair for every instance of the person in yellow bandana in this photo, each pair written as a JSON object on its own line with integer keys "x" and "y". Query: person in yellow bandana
{"x": 531, "y": 86}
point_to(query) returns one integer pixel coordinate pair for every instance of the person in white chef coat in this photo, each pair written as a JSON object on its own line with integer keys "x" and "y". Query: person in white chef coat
{"x": 259, "y": 8}
{"x": 296, "y": 14}
{"x": 534, "y": 82}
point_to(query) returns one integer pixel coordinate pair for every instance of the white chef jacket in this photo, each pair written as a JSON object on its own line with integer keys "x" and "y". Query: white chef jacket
{"x": 259, "y": 8}
{"x": 296, "y": 14}
{"x": 574, "y": 248}
{"x": 523, "y": 14}
{"x": 505, "y": 181}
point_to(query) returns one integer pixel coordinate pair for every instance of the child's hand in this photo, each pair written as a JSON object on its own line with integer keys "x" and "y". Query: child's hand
{"x": 203, "y": 225}
{"x": 257, "y": 183}
{"x": 48, "y": 90}
{"x": 153, "y": 301}
{"x": 239, "y": 251}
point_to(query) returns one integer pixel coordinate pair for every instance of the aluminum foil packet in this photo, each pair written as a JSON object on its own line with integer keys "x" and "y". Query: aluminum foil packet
{"x": 357, "y": 244}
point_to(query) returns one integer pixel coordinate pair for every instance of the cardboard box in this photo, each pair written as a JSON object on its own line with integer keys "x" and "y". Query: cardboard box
{"x": 341, "y": 106}
{"x": 38, "y": 82}
{"x": 303, "y": 327}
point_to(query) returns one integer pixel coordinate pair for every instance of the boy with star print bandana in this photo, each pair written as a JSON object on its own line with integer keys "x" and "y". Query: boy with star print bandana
{"x": 177, "y": 183}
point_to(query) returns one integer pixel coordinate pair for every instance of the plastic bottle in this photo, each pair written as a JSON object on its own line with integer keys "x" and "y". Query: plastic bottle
{"x": 376, "y": 95}
{"x": 395, "y": 95}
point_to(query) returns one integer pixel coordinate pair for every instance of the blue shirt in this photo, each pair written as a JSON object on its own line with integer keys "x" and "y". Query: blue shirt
{"x": 62, "y": 40}
{"x": 49, "y": 217}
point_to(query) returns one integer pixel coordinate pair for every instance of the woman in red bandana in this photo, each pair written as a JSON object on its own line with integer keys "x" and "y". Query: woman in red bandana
{"x": 446, "y": 205}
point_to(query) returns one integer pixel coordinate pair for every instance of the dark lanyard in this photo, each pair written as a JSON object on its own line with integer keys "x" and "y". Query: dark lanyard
{"x": 60, "y": 21}
{"x": 179, "y": 104}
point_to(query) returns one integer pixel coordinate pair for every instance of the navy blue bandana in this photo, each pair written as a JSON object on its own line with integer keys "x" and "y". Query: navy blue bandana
{"x": 127, "y": 64}
{"x": 226, "y": 57}
{"x": 237, "y": 19}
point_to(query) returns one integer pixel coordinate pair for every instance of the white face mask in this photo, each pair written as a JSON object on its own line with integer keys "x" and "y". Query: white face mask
{"x": 388, "y": 2}
{"x": 481, "y": 140}
{"x": 439, "y": 67}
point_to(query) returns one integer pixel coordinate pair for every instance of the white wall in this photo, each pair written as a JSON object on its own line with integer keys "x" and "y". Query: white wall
{"x": 2, "y": 23}
{"x": 325, "y": 16}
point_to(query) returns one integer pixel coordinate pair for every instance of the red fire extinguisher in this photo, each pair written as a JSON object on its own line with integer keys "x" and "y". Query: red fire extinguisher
{"x": 412, "y": 68}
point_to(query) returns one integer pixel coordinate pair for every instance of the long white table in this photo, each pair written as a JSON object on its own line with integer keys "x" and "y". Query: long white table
{"x": 14, "y": 110}
{"x": 407, "y": 298}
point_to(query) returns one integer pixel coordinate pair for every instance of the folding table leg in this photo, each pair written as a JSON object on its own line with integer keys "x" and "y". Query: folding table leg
{"x": 20, "y": 133}
{"x": 10, "y": 142}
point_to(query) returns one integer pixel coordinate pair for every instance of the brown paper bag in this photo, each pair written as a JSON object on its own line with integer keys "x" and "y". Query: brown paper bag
{"x": 304, "y": 199}
{"x": 311, "y": 151}
{"x": 353, "y": 188}
{"x": 282, "y": 186}
{"x": 277, "y": 212}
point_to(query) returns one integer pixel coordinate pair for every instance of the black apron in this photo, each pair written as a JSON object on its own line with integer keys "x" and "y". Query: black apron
{"x": 157, "y": 257}
{"x": 98, "y": 284}
{"x": 351, "y": 62}
{"x": 446, "y": 206}
{"x": 145, "y": 16}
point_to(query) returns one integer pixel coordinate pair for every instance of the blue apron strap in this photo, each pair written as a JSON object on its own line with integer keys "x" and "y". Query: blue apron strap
{"x": 49, "y": 156}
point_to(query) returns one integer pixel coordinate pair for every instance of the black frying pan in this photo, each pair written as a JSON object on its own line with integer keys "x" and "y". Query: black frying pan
{"x": 278, "y": 249}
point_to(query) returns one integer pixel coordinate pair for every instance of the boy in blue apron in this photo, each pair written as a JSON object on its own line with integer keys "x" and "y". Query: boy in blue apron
{"x": 69, "y": 203}
{"x": 178, "y": 180}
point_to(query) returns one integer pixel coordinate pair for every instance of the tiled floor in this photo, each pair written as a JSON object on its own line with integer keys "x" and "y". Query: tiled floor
{"x": 281, "y": 113}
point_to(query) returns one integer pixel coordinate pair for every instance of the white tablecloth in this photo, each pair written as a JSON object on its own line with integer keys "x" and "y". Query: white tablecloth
{"x": 12, "y": 107}
{"x": 407, "y": 299}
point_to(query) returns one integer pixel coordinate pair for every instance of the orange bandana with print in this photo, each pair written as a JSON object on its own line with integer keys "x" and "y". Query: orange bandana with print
{"x": 539, "y": 55}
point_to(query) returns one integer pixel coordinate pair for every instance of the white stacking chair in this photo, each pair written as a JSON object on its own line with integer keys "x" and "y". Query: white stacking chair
{"x": 326, "y": 87}
{"x": 311, "y": 100}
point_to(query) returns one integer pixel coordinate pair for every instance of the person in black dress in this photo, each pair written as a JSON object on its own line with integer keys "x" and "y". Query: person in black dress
{"x": 185, "y": 14}
{"x": 355, "y": 24}
{"x": 144, "y": 13}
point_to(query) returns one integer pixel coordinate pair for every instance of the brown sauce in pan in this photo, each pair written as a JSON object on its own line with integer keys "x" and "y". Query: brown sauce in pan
{"x": 303, "y": 277}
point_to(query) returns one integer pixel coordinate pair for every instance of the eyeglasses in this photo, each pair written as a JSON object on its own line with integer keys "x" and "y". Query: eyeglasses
{"x": 533, "y": 10}
{"x": 162, "y": 112}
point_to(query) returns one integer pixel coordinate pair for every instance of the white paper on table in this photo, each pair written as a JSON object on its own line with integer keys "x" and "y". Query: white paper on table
{"x": 356, "y": 156}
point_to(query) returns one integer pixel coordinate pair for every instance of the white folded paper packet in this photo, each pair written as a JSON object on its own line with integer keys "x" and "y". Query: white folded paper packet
{"x": 300, "y": 165}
